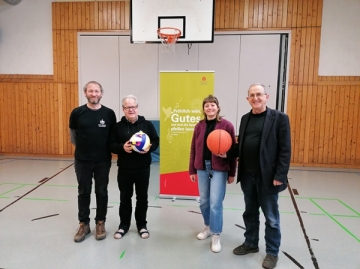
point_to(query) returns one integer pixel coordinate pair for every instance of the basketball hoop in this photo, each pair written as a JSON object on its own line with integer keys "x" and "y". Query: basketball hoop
{"x": 168, "y": 37}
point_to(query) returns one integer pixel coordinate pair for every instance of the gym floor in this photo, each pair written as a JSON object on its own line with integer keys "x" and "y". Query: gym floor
{"x": 320, "y": 223}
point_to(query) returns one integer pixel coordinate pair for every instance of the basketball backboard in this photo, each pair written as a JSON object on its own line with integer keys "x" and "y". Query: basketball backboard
{"x": 194, "y": 18}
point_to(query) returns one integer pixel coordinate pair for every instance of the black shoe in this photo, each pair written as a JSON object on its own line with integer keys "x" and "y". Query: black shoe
{"x": 120, "y": 233}
{"x": 270, "y": 261}
{"x": 244, "y": 249}
{"x": 144, "y": 233}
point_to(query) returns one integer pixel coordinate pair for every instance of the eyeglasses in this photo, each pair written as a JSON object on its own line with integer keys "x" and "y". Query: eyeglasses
{"x": 258, "y": 95}
{"x": 130, "y": 107}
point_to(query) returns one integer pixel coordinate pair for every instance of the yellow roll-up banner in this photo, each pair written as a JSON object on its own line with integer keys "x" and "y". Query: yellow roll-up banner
{"x": 181, "y": 96}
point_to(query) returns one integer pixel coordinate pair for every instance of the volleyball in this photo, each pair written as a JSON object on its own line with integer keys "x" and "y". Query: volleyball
{"x": 140, "y": 141}
{"x": 219, "y": 141}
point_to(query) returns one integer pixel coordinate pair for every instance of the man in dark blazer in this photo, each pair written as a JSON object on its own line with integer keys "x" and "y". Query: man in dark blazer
{"x": 264, "y": 152}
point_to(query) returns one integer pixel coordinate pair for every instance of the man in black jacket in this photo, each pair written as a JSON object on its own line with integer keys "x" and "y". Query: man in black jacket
{"x": 264, "y": 152}
{"x": 133, "y": 166}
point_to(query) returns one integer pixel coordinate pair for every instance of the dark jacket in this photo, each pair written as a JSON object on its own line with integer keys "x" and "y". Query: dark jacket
{"x": 275, "y": 149}
{"x": 197, "y": 149}
{"x": 122, "y": 132}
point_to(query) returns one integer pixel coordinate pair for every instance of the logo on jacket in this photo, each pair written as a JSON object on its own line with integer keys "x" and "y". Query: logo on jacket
{"x": 102, "y": 123}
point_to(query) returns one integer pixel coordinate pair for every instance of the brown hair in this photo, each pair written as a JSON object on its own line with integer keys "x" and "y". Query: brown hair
{"x": 211, "y": 99}
{"x": 93, "y": 82}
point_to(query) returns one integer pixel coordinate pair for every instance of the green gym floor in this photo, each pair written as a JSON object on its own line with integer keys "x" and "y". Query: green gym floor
{"x": 320, "y": 223}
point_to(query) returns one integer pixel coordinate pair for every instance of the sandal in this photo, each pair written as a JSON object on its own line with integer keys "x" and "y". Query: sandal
{"x": 144, "y": 233}
{"x": 119, "y": 233}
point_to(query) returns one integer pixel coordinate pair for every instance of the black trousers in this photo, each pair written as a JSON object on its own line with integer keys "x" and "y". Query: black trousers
{"x": 127, "y": 179}
{"x": 85, "y": 171}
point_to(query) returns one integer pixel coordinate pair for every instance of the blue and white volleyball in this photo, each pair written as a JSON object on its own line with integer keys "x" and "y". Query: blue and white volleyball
{"x": 140, "y": 141}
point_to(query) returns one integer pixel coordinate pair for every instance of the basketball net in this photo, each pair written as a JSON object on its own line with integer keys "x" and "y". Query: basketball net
{"x": 168, "y": 37}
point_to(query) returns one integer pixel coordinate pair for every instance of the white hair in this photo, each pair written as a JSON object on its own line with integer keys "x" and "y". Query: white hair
{"x": 130, "y": 96}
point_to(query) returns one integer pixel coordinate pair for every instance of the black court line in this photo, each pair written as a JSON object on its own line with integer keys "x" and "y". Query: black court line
{"x": 35, "y": 188}
{"x": 194, "y": 212}
{"x": 293, "y": 260}
{"x": 240, "y": 226}
{"x": 45, "y": 217}
{"x": 156, "y": 206}
{"x": 313, "y": 258}
{"x": 107, "y": 207}
{"x": 45, "y": 178}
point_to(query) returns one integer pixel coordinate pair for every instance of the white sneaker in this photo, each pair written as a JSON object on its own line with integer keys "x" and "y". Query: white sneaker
{"x": 204, "y": 233}
{"x": 215, "y": 244}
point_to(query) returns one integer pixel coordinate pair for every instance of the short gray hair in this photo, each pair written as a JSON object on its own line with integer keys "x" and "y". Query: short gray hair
{"x": 130, "y": 96}
{"x": 257, "y": 84}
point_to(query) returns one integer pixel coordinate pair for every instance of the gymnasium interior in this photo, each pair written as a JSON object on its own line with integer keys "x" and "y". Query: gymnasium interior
{"x": 304, "y": 51}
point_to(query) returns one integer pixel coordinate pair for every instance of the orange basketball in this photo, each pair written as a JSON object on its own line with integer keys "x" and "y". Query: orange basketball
{"x": 219, "y": 141}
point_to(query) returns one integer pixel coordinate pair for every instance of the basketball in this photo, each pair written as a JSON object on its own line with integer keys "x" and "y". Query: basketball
{"x": 219, "y": 141}
{"x": 140, "y": 141}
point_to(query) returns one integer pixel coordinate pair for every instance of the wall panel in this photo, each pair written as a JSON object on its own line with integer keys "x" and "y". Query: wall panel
{"x": 324, "y": 111}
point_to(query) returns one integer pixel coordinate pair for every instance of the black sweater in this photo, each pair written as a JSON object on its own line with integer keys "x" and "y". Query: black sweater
{"x": 122, "y": 132}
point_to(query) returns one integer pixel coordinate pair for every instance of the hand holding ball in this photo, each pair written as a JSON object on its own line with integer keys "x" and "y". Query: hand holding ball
{"x": 219, "y": 141}
{"x": 140, "y": 141}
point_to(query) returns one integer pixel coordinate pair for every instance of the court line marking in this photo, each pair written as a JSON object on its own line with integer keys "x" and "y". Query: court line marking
{"x": 312, "y": 199}
{"x": 313, "y": 258}
{"x": 293, "y": 260}
{"x": 1, "y": 210}
{"x": 45, "y": 217}
{"x": 122, "y": 254}
{"x": 21, "y": 185}
{"x": 336, "y": 221}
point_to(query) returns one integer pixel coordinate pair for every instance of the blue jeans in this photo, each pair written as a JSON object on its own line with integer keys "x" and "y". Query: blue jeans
{"x": 256, "y": 197}
{"x": 212, "y": 187}
{"x": 85, "y": 171}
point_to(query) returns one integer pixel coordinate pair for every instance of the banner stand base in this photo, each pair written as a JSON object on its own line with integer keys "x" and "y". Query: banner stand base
{"x": 180, "y": 197}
